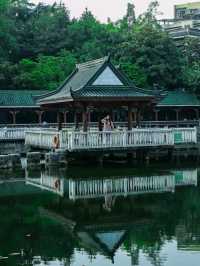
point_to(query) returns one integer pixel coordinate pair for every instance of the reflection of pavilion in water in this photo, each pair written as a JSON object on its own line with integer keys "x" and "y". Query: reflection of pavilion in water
{"x": 100, "y": 240}
{"x": 98, "y": 232}
{"x": 106, "y": 234}
{"x": 124, "y": 186}
{"x": 47, "y": 180}
{"x": 109, "y": 187}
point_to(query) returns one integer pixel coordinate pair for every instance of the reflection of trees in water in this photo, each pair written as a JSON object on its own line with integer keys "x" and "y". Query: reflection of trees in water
{"x": 166, "y": 212}
{"x": 147, "y": 238}
{"x": 154, "y": 255}
{"x": 188, "y": 229}
{"x": 23, "y": 230}
{"x": 148, "y": 220}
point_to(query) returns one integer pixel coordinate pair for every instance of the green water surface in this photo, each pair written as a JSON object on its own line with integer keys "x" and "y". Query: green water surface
{"x": 46, "y": 222}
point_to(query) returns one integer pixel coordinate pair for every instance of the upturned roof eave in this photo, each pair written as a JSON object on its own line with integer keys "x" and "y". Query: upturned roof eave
{"x": 178, "y": 105}
{"x": 75, "y": 94}
{"x": 62, "y": 100}
{"x": 54, "y": 92}
{"x": 99, "y": 98}
{"x": 78, "y": 66}
{"x": 20, "y": 106}
{"x": 114, "y": 98}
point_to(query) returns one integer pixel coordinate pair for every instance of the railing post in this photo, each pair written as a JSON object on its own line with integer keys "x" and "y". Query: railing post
{"x": 130, "y": 117}
{"x": 61, "y": 138}
{"x": 196, "y": 134}
{"x": 71, "y": 140}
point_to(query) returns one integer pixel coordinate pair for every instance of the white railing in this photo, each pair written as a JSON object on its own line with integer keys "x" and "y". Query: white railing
{"x": 172, "y": 123}
{"x": 124, "y": 186}
{"x": 117, "y": 124}
{"x": 18, "y": 133}
{"x": 76, "y": 140}
{"x": 94, "y": 187}
{"x": 12, "y": 133}
{"x": 41, "y": 138}
{"x": 50, "y": 183}
{"x": 125, "y": 139}
{"x": 120, "y": 186}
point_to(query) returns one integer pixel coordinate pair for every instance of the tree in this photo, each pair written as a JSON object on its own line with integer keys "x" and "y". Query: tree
{"x": 7, "y": 37}
{"x": 191, "y": 77}
{"x": 33, "y": 36}
{"x": 135, "y": 73}
{"x": 41, "y": 29}
{"x": 8, "y": 73}
{"x": 47, "y": 72}
{"x": 150, "y": 15}
{"x": 152, "y": 52}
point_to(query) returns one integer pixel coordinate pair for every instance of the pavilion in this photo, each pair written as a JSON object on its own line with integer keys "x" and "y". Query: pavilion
{"x": 94, "y": 89}
{"x": 97, "y": 86}
{"x": 19, "y": 106}
{"x": 178, "y": 105}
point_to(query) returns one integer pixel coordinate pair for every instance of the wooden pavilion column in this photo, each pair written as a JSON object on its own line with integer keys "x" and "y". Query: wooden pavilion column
{"x": 197, "y": 113}
{"x": 39, "y": 113}
{"x": 14, "y": 113}
{"x": 89, "y": 116}
{"x": 177, "y": 114}
{"x": 59, "y": 120}
{"x": 156, "y": 112}
{"x": 99, "y": 119}
{"x": 76, "y": 119}
{"x": 111, "y": 114}
{"x": 138, "y": 117}
{"x": 65, "y": 116}
{"x": 85, "y": 118}
{"x": 130, "y": 117}
{"x": 134, "y": 114}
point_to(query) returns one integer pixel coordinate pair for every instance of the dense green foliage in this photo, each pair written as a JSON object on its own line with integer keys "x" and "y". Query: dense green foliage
{"x": 40, "y": 44}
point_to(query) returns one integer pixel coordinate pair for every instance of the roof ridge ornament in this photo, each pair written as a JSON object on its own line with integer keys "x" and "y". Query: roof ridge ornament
{"x": 91, "y": 63}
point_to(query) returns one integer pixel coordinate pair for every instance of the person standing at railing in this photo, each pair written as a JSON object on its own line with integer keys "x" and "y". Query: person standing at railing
{"x": 108, "y": 126}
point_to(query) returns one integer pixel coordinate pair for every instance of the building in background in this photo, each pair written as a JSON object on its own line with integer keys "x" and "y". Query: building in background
{"x": 187, "y": 11}
{"x": 186, "y": 22}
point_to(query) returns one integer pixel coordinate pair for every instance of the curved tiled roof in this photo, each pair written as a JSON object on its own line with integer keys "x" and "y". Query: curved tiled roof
{"x": 108, "y": 91}
{"x": 19, "y": 98}
{"x": 80, "y": 84}
{"x": 179, "y": 98}
{"x": 80, "y": 77}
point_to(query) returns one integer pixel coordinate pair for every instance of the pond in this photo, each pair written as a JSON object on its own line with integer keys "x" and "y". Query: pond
{"x": 114, "y": 215}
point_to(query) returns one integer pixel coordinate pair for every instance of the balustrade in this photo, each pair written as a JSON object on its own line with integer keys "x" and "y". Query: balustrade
{"x": 120, "y": 186}
{"x": 76, "y": 140}
{"x": 124, "y": 186}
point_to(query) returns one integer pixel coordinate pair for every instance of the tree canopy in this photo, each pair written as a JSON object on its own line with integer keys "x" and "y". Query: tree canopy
{"x": 40, "y": 44}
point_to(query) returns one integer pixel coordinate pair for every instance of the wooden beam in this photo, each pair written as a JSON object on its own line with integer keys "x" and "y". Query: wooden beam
{"x": 76, "y": 119}
{"x": 39, "y": 113}
{"x": 85, "y": 118}
{"x": 65, "y": 116}
{"x": 59, "y": 121}
{"x": 130, "y": 117}
{"x": 14, "y": 113}
{"x": 156, "y": 114}
{"x": 197, "y": 113}
{"x": 177, "y": 114}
